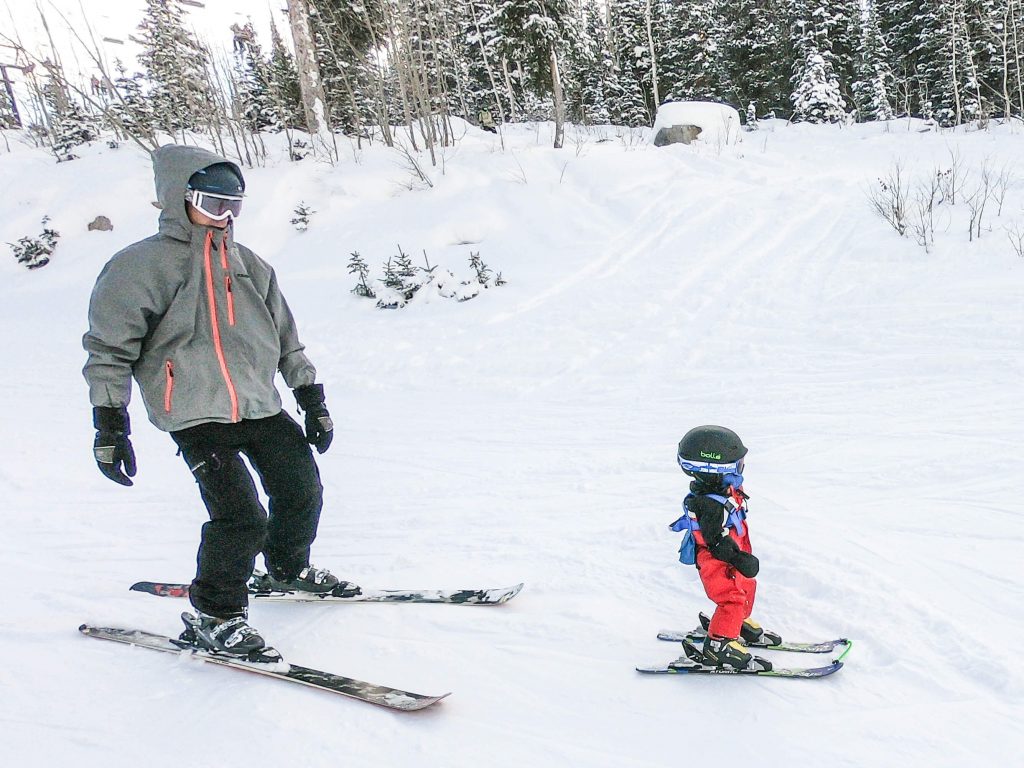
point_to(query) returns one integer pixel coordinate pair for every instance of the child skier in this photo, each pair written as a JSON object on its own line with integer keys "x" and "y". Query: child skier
{"x": 717, "y": 541}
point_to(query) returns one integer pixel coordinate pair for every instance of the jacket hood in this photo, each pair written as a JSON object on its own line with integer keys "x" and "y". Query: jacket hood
{"x": 173, "y": 165}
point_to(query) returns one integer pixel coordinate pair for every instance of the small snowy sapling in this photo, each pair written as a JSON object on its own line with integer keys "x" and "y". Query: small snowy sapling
{"x": 35, "y": 252}
{"x": 302, "y": 214}
{"x": 357, "y": 266}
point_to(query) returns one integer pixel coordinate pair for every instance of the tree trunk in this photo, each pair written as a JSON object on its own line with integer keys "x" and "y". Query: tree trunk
{"x": 556, "y": 88}
{"x": 313, "y": 98}
{"x": 654, "y": 58}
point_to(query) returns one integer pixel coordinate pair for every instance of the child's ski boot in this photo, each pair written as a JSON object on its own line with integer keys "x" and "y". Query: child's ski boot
{"x": 719, "y": 653}
{"x": 751, "y": 633}
{"x": 725, "y": 651}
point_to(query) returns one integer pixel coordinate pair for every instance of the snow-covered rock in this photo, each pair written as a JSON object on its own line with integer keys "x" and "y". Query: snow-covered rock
{"x": 683, "y": 121}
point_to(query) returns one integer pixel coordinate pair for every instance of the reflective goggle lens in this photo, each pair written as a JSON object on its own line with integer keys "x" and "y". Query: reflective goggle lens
{"x": 217, "y": 207}
{"x": 734, "y": 468}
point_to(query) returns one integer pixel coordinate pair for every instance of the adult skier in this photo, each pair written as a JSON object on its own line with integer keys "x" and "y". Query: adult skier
{"x": 718, "y": 540}
{"x": 200, "y": 323}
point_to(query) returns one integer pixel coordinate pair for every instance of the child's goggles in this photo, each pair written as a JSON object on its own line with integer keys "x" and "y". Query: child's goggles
{"x": 217, "y": 207}
{"x": 733, "y": 468}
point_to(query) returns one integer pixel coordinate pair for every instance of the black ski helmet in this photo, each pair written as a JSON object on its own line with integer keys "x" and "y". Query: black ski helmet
{"x": 710, "y": 450}
{"x": 217, "y": 179}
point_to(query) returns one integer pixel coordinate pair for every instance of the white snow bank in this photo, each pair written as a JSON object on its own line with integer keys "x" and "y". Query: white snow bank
{"x": 719, "y": 123}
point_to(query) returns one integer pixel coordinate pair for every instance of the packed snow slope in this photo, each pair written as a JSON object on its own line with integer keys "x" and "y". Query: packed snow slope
{"x": 529, "y": 435}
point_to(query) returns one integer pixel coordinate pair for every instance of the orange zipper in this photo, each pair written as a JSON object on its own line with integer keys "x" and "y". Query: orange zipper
{"x": 215, "y": 325}
{"x": 169, "y": 387}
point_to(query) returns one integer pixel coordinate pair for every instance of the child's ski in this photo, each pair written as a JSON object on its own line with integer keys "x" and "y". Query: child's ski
{"x": 687, "y": 667}
{"x": 697, "y": 636}
{"x": 392, "y": 698}
{"x": 346, "y": 592}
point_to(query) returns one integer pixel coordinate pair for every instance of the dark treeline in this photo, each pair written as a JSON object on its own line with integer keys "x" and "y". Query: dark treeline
{"x": 385, "y": 69}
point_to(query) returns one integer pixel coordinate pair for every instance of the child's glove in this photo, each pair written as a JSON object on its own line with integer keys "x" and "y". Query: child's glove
{"x": 745, "y": 563}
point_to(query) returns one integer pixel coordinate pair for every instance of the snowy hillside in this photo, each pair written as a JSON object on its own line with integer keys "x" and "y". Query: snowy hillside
{"x": 529, "y": 435}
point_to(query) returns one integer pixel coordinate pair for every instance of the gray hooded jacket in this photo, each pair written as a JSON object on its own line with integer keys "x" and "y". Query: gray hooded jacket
{"x": 197, "y": 319}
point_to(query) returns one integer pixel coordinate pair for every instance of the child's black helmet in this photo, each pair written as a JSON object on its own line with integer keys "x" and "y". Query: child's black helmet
{"x": 711, "y": 450}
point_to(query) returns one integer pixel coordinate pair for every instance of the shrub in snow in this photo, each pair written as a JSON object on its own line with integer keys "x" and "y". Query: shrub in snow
{"x": 751, "y": 117}
{"x": 889, "y": 199}
{"x": 35, "y": 252}
{"x": 301, "y": 218}
{"x": 682, "y": 121}
{"x": 404, "y": 282}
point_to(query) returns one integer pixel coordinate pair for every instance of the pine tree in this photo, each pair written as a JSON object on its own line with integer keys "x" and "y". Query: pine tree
{"x": 70, "y": 125}
{"x": 538, "y": 35}
{"x": 756, "y": 52}
{"x": 601, "y": 91}
{"x": 254, "y": 96}
{"x": 817, "y": 95}
{"x": 874, "y": 81}
{"x": 816, "y": 98}
{"x": 175, "y": 65}
{"x": 283, "y": 84}
{"x": 131, "y": 112}
{"x": 628, "y": 25}
{"x": 690, "y": 64}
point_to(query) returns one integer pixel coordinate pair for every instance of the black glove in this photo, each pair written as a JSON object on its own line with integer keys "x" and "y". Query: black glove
{"x": 724, "y": 548}
{"x": 745, "y": 563}
{"x": 319, "y": 427}
{"x": 112, "y": 448}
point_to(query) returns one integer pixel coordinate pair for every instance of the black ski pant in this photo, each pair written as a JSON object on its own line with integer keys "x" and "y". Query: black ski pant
{"x": 239, "y": 527}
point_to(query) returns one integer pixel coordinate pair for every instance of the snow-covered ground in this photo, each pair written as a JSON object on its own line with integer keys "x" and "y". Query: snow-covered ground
{"x": 529, "y": 435}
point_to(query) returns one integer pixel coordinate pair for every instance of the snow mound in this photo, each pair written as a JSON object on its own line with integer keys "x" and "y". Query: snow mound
{"x": 719, "y": 123}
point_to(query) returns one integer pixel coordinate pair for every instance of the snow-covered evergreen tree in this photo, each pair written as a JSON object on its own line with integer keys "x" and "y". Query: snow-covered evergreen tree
{"x": 130, "y": 111}
{"x": 816, "y": 97}
{"x": 874, "y": 82}
{"x": 70, "y": 125}
{"x": 755, "y": 52}
{"x": 175, "y": 65}
{"x": 628, "y": 28}
{"x": 254, "y": 98}
{"x": 283, "y": 83}
{"x": 690, "y": 39}
{"x": 537, "y": 35}
{"x": 600, "y": 91}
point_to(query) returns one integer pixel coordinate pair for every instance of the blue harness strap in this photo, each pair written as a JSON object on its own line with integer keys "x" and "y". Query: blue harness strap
{"x": 688, "y": 523}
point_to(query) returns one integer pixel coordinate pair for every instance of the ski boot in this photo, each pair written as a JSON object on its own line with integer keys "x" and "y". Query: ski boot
{"x": 751, "y": 633}
{"x": 229, "y": 637}
{"x": 319, "y": 581}
{"x": 725, "y": 651}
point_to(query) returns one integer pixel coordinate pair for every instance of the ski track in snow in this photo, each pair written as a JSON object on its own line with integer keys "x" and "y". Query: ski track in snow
{"x": 529, "y": 435}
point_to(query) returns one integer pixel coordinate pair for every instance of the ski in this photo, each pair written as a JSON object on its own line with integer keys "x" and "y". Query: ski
{"x": 697, "y": 636}
{"x": 391, "y": 698}
{"x": 687, "y": 667}
{"x": 346, "y": 592}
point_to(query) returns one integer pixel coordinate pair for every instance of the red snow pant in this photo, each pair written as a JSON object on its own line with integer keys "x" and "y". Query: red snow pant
{"x": 729, "y": 589}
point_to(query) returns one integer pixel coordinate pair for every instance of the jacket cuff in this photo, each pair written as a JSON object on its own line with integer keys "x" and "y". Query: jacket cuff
{"x": 309, "y": 396}
{"x": 107, "y": 419}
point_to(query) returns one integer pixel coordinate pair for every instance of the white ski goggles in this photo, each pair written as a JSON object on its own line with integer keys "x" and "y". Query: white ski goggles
{"x": 217, "y": 207}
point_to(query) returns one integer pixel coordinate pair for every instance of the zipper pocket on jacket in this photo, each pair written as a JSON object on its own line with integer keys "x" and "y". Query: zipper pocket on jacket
{"x": 169, "y": 385}
{"x": 231, "y": 299}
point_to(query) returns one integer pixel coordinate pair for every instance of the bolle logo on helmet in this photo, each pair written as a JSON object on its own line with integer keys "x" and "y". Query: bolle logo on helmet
{"x": 713, "y": 456}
